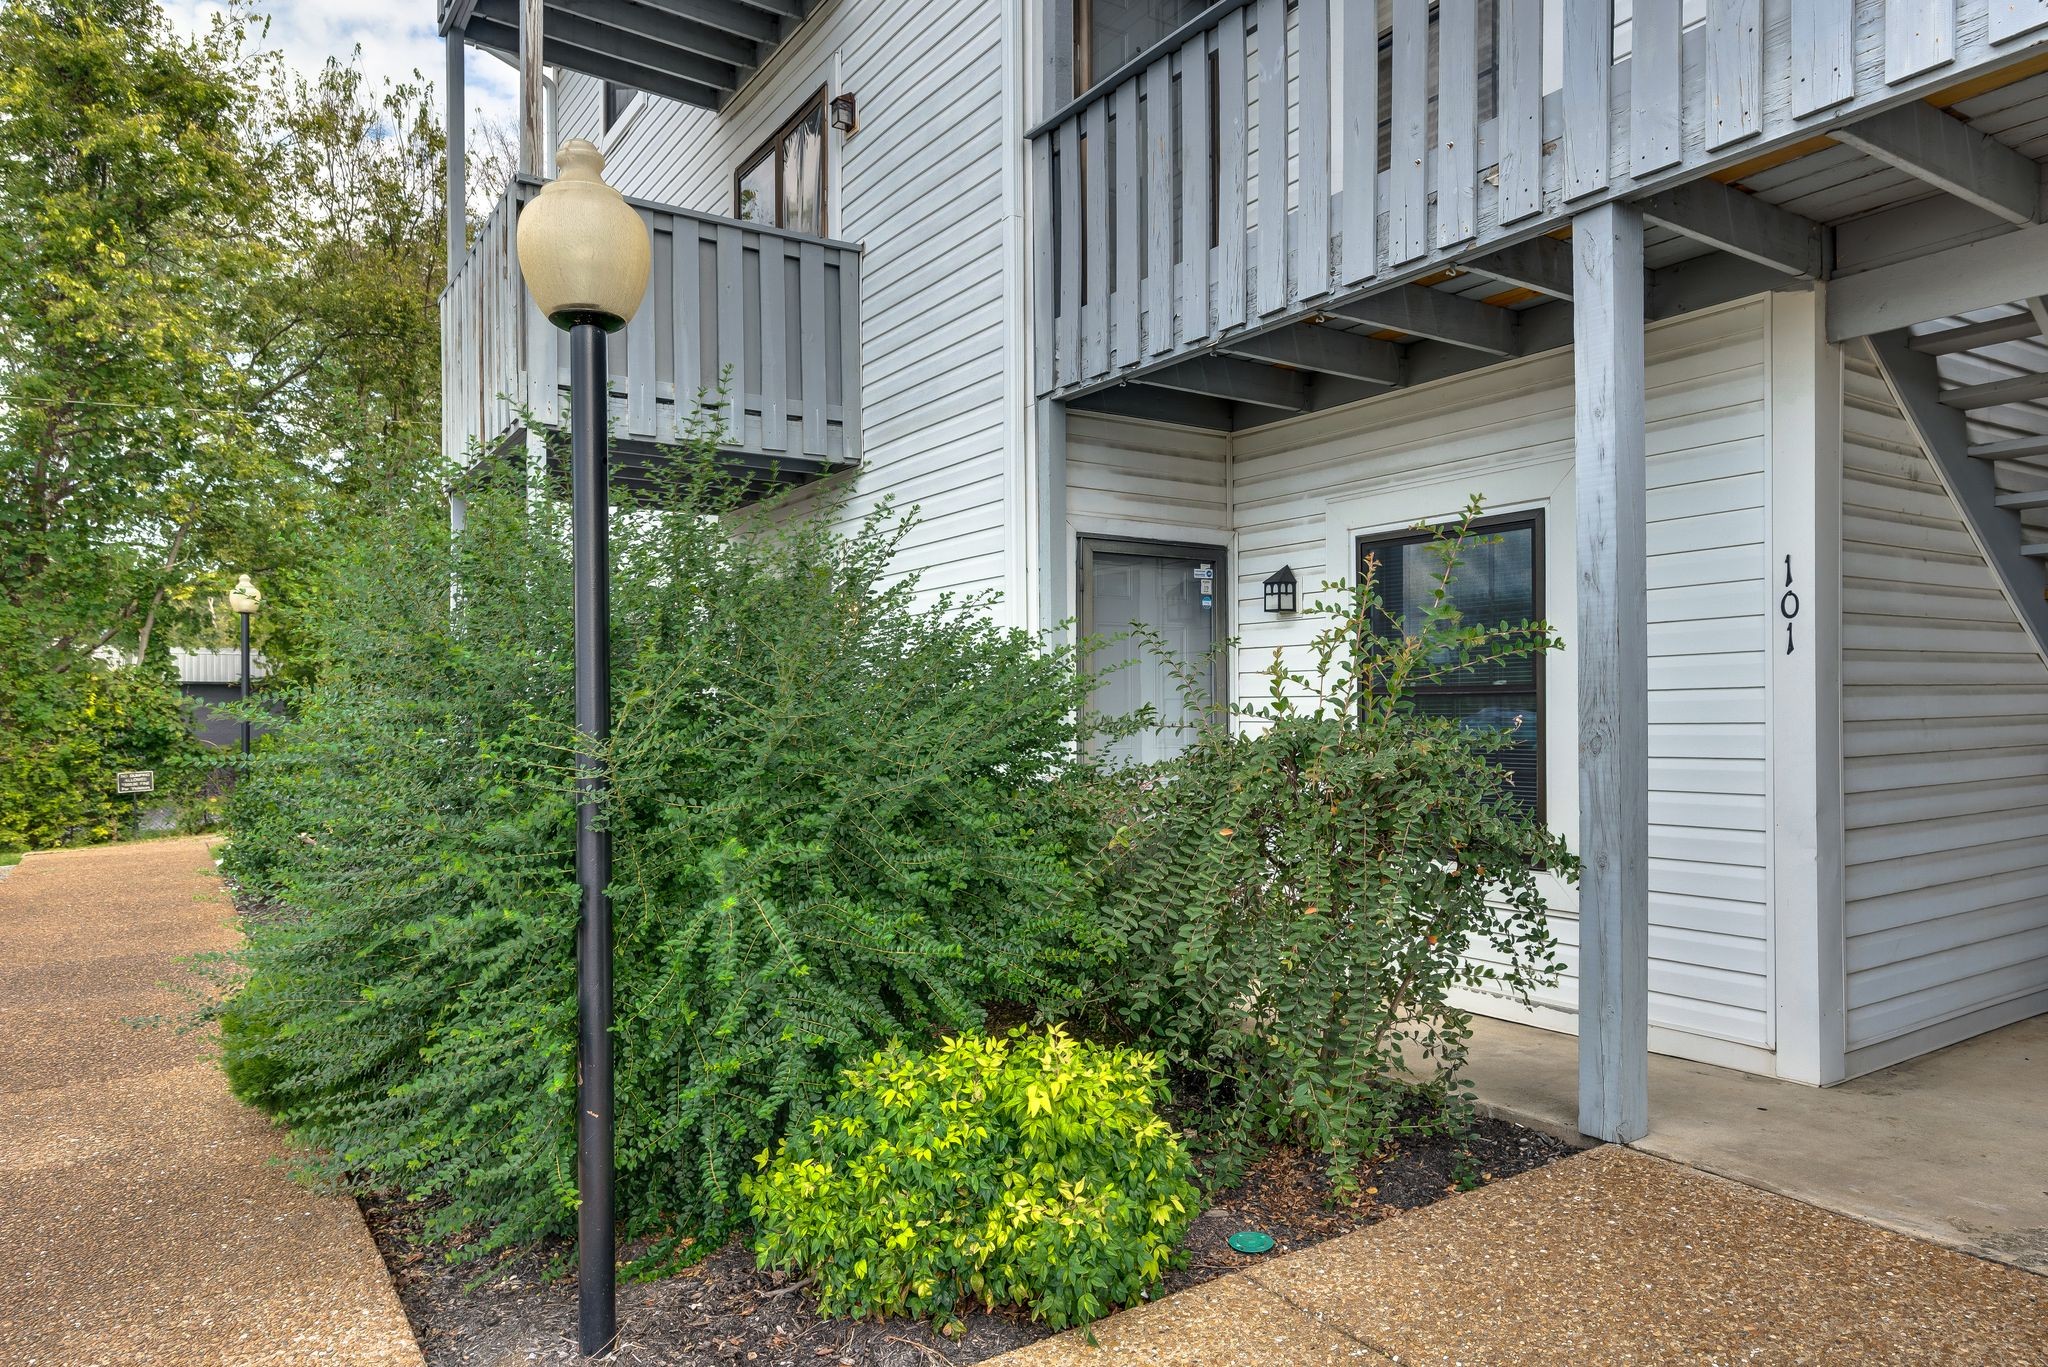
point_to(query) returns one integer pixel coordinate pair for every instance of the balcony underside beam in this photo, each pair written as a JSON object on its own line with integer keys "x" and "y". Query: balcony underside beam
{"x": 1423, "y": 312}
{"x": 1953, "y": 157}
{"x": 1741, "y": 225}
{"x": 1325, "y": 351}
{"x": 556, "y": 51}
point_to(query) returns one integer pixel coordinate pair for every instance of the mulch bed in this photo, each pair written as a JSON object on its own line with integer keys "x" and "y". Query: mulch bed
{"x": 725, "y": 1310}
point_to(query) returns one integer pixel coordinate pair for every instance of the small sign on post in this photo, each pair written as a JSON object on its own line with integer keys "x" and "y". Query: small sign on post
{"x": 131, "y": 781}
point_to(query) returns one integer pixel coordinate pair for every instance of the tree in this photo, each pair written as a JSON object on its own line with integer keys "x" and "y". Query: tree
{"x": 218, "y": 338}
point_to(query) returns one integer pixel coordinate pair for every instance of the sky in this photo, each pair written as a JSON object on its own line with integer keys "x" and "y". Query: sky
{"x": 397, "y": 37}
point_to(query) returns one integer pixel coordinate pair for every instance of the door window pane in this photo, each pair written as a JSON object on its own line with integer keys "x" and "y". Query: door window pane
{"x": 1497, "y": 581}
{"x": 1176, "y": 596}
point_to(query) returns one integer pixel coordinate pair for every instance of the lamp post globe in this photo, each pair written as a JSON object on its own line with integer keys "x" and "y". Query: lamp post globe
{"x": 586, "y": 254}
{"x": 245, "y": 598}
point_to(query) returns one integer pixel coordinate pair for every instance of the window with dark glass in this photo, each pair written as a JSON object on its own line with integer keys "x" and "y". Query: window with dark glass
{"x": 616, "y": 98}
{"x": 1498, "y": 580}
{"x": 1108, "y": 33}
{"x": 783, "y": 182}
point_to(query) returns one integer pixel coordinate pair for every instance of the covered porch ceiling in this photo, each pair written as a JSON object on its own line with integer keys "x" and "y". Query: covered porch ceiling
{"x": 695, "y": 51}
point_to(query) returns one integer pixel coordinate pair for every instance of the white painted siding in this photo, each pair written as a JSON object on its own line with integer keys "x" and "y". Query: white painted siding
{"x": 929, "y": 187}
{"x": 1304, "y": 489}
{"x": 1945, "y": 758}
{"x": 1145, "y": 480}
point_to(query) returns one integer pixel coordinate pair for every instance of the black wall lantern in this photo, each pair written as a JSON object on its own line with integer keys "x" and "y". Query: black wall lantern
{"x": 844, "y": 116}
{"x": 1280, "y": 590}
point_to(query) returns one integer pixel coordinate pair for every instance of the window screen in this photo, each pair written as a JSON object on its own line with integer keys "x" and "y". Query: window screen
{"x": 1499, "y": 579}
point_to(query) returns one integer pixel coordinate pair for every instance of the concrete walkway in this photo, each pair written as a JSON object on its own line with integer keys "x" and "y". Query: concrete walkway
{"x": 1951, "y": 1147}
{"x": 1609, "y": 1256}
{"x": 142, "y": 1217}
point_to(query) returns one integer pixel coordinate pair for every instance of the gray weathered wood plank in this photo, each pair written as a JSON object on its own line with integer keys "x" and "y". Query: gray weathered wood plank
{"x": 1740, "y": 224}
{"x": 849, "y": 356}
{"x": 1656, "y": 90}
{"x": 1272, "y": 264}
{"x": 1128, "y": 200}
{"x": 811, "y": 345}
{"x": 1457, "y": 122}
{"x": 1824, "y": 37}
{"x": 1194, "y": 188}
{"x": 1407, "y": 173}
{"x": 1613, "y": 673}
{"x": 1734, "y": 71}
{"x": 729, "y": 345}
{"x": 1232, "y": 193}
{"x": 1095, "y": 191}
{"x": 1360, "y": 152}
{"x": 1043, "y": 272}
{"x": 1978, "y": 275}
{"x": 1312, "y": 174}
{"x": 1521, "y": 109}
{"x": 1158, "y": 207}
{"x": 686, "y": 313}
{"x": 1588, "y": 76}
{"x": 1067, "y": 340}
{"x": 2012, "y": 18}
{"x": 1919, "y": 35}
{"x": 774, "y": 333}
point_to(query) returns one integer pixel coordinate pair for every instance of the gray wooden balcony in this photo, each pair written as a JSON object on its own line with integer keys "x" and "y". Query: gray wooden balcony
{"x": 747, "y": 331}
{"x": 1296, "y": 203}
{"x": 696, "y": 51}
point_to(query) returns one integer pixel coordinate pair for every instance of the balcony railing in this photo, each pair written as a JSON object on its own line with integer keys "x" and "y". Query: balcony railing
{"x": 1280, "y": 158}
{"x": 746, "y": 327}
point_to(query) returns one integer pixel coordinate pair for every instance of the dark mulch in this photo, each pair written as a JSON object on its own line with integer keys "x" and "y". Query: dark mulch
{"x": 725, "y": 1310}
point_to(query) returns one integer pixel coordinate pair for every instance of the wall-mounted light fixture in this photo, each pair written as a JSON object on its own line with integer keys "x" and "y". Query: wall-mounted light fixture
{"x": 1280, "y": 590}
{"x": 845, "y": 117}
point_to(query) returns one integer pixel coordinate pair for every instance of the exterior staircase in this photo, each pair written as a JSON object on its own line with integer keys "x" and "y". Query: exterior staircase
{"x": 1975, "y": 391}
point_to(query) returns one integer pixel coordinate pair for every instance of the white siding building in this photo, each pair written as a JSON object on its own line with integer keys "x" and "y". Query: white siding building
{"x": 1731, "y": 313}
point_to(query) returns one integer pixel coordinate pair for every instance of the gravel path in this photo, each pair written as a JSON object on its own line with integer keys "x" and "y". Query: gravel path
{"x": 144, "y": 1217}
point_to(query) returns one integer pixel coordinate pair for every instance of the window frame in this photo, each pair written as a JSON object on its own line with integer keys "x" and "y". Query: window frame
{"x": 1532, "y": 518}
{"x": 613, "y": 118}
{"x": 771, "y": 146}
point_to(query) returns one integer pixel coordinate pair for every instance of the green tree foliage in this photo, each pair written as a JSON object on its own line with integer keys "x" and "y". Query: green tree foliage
{"x": 838, "y": 818}
{"x": 1030, "y": 1171}
{"x": 1296, "y": 897}
{"x": 217, "y": 313}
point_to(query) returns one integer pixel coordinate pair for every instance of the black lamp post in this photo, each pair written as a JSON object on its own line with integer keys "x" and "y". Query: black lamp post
{"x": 245, "y": 598}
{"x": 585, "y": 255}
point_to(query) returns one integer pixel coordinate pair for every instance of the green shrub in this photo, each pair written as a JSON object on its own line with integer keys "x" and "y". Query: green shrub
{"x": 64, "y": 735}
{"x": 839, "y": 816}
{"x": 1296, "y": 897}
{"x": 1031, "y": 1171}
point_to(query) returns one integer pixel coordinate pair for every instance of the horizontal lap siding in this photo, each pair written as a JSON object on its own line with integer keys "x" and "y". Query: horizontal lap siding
{"x": 1144, "y": 479}
{"x": 1709, "y": 593}
{"x": 921, "y": 188}
{"x": 1945, "y": 749}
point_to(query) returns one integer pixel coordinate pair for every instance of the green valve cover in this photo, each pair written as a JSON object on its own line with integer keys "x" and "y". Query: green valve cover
{"x": 1251, "y": 1241}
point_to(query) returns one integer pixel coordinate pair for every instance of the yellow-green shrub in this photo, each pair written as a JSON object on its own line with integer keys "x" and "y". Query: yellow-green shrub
{"x": 1032, "y": 1170}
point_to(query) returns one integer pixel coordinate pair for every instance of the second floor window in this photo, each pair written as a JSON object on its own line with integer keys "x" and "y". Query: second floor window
{"x": 783, "y": 182}
{"x": 1108, "y": 33}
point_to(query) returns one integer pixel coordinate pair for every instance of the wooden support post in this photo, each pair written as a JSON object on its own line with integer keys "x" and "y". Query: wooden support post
{"x": 1055, "y": 599}
{"x": 457, "y": 155}
{"x": 1805, "y": 652}
{"x": 533, "y": 153}
{"x": 1613, "y": 649}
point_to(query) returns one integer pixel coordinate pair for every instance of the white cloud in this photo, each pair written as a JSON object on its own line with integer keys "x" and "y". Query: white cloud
{"x": 397, "y": 38}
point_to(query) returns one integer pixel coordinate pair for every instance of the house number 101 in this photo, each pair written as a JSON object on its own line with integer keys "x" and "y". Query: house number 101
{"x": 1788, "y": 605}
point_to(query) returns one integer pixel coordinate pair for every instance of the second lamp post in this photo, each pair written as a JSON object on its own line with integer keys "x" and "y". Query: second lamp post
{"x": 585, "y": 255}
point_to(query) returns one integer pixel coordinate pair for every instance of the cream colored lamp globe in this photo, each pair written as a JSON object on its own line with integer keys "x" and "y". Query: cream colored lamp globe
{"x": 244, "y": 596}
{"x": 582, "y": 248}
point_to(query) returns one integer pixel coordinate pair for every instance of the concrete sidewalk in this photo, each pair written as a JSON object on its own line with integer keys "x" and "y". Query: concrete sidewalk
{"x": 143, "y": 1217}
{"x": 1606, "y": 1256}
{"x": 1952, "y": 1146}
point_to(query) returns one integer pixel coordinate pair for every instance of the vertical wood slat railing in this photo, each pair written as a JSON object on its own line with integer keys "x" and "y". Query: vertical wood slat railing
{"x": 1174, "y": 206}
{"x": 772, "y": 318}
